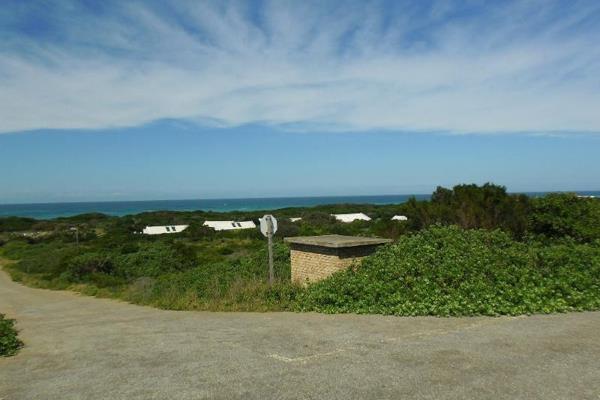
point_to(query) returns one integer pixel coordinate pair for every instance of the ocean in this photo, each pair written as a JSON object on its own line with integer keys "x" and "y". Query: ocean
{"x": 119, "y": 208}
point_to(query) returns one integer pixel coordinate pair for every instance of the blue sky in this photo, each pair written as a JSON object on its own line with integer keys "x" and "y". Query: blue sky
{"x": 140, "y": 100}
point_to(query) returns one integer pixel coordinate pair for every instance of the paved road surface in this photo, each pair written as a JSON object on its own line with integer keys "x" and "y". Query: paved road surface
{"x": 85, "y": 348}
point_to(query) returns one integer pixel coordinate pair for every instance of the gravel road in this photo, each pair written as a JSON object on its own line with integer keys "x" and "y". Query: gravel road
{"x": 81, "y": 347}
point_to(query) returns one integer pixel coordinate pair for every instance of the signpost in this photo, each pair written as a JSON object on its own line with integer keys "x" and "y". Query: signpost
{"x": 268, "y": 227}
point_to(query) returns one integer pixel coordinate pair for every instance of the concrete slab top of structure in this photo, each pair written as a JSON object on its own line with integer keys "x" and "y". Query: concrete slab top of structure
{"x": 336, "y": 241}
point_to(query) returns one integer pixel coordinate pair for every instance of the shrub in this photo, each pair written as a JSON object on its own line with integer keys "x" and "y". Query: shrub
{"x": 198, "y": 231}
{"x": 48, "y": 259}
{"x": 84, "y": 265}
{"x": 14, "y": 224}
{"x": 256, "y": 266}
{"x": 440, "y": 271}
{"x": 224, "y": 285}
{"x": 448, "y": 271}
{"x": 9, "y": 342}
{"x": 154, "y": 259}
{"x": 389, "y": 229}
{"x": 287, "y": 228}
{"x": 470, "y": 206}
{"x": 566, "y": 215}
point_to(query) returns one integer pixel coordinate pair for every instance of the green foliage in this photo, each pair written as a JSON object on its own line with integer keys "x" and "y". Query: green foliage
{"x": 154, "y": 259}
{"x": 533, "y": 255}
{"x": 14, "y": 224}
{"x": 197, "y": 231}
{"x": 387, "y": 228}
{"x": 471, "y": 206}
{"x": 323, "y": 223}
{"x": 89, "y": 218}
{"x": 82, "y": 266}
{"x": 449, "y": 271}
{"x": 72, "y": 264}
{"x": 239, "y": 285}
{"x": 9, "y": 341}
{"x": 48, "y": 259}
{"x": 219, "y": 272}
{"x": 287, "y": 228}
{"x": 566, "y": 215}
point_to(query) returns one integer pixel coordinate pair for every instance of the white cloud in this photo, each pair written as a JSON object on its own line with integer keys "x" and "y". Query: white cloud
{"x": 507, "y": 68}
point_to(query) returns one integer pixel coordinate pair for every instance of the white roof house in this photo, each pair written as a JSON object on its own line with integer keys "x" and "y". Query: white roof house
{"x": 399, "y": 218}
{"x": 159, "y": 230}
{"x": 229, "y": 225}
{"x": 351, "y": 217}
{"x": 294, "y": 219}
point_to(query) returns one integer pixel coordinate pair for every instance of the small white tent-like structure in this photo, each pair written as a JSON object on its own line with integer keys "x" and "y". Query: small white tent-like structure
{"x": 351, "y": 217}
{"x": 229, "y": 225}
{"x": 399, "y": 218}
{"x": 295, "y": 219}
{"x": 159, "y": 230}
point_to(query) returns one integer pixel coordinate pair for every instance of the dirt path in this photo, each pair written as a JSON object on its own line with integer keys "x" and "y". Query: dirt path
{"x": 85, "y": 348}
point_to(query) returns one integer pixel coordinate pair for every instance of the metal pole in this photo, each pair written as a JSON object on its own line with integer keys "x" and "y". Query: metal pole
{"x": 270, "y": 237}
{"x": 76, "y": 229}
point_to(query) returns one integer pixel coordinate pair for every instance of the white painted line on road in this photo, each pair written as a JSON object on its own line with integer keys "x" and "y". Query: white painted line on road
{"x": 303, "y": 359}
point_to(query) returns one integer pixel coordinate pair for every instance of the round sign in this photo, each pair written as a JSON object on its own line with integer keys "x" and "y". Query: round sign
{"x": 268, "y": 225}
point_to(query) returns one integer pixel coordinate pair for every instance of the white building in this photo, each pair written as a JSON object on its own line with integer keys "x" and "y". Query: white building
{"x": 229, "y": 225}
{"x": 351, "y": 217}
{"x": 399, "y": 218}
{"x": 159, "y": 230}
{"x": 295, "y": 219}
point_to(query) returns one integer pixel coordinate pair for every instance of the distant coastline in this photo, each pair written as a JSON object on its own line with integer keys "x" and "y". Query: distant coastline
{"x": 120, "y": 208}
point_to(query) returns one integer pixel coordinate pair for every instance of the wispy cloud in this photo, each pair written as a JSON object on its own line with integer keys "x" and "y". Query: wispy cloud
{"x": 463, "y": 67}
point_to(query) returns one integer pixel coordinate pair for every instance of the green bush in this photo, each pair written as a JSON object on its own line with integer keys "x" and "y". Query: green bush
{"x": 9, "y": 342}
{"x": 83, "y": 265}
{"x": 566, "y": 215}
{"x": 470, "y": 206}
{"x": 154, "y": 259}
{"x": 198, "y": 231}
{"x": 227, "y": 285}
{"x": 448, "y": 271}
{"x": 49, "y": 258}
{"x": 547, "y": 260}
{"x": 14, "y": 224}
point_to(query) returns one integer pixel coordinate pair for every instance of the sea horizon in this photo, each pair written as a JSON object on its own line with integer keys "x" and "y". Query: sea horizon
{"x": 51, "y": 210}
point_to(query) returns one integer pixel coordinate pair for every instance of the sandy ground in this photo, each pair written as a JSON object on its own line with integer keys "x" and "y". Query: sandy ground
{"x": 86, "y": 348}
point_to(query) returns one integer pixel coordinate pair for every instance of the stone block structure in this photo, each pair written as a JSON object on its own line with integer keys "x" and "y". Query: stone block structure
{"x": 315, "y": 258}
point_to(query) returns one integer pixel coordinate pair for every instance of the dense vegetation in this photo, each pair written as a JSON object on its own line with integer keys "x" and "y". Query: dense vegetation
{"x": 9, "y": 342}
{"x": 468, "y": 250}
{"x": 451, "y": 271}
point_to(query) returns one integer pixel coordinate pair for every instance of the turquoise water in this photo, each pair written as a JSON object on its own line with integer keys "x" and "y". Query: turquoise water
{"x": 118, "y": 208}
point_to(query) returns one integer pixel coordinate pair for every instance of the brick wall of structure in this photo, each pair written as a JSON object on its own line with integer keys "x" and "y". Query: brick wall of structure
{"x": 314, "y": 263}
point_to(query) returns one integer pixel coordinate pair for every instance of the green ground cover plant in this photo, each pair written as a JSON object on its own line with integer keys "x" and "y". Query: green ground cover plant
{"x": 9, "y": 341}
{"x": 449, "y": 271}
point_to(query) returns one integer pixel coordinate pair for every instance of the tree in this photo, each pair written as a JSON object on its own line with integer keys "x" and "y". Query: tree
{"x": 565, "y": 214}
